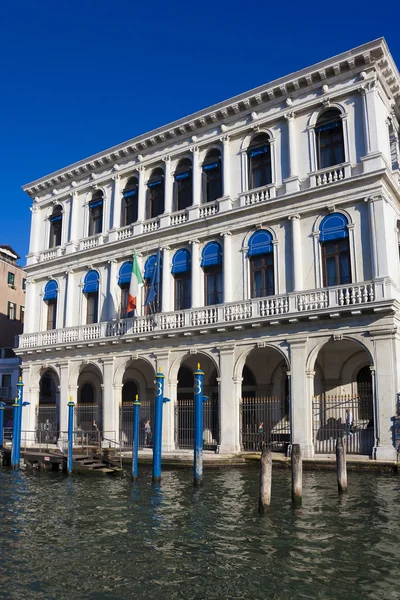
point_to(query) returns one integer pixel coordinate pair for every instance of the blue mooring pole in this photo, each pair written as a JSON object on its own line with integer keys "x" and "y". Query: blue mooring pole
{"x": 14, "y": 433}
{"x": 198, "y": 426}
{"x": 158, "y": 410}
{"x": 2, "y": 405}
{"x": 135, "y": 438}
{"x": 70, "y": 433}
{"x": 17, "y": 424}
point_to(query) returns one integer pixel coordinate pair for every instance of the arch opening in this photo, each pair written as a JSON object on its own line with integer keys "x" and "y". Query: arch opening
{"x": 89, "y": 408}
{"x": 48, "y": 409}
{"x": 137, "y": 380}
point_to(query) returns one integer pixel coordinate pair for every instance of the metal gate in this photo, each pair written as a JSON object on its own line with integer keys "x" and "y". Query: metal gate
{"x": 264, "y": 421}
{"x": 126, "y": 423}
{"x": 89, "y": 421}
{"x": 47, "y": 423}
{"x": 184, "y": 423}
{"x": 329, "y": 423}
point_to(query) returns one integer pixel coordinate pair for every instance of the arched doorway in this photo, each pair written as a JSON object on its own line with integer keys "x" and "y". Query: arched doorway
{"x": 184, "y": 409}
{"x": 343, "y": 404}
{"x": 89, "y": 409}
{"x": 48, "y": 410}
{"x": 138, "y": 380}
{"x": 265, "y": 406}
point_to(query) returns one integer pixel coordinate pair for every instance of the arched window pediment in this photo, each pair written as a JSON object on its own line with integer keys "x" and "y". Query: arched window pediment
{"x": 149, "y": 266}
{"x": 51, "y": 290}
{"x": 125, "y": 272}
{"x": 333, "y": 227}
{"x": 211, "y": 255}
{"x": 91, "y": 282}
{"x": 260, "y": 243}
{"x": 181, "y": 262}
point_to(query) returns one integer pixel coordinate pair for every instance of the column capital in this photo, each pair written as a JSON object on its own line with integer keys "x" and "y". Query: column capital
{"x": 294, "y": 217}
{"x": 115, "y": 177}
{"x": 192, "y": 242}
{"x": 194, "y": 149}
{"x": 166, "y": 159}
{"x": 290, "y": 116}
{"x": 225, "y": 139}
{"x": 226, "y": 233}
{"x": 69, "y": 272}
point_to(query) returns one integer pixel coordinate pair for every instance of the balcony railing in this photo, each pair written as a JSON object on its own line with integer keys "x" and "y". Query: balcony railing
{"x": 273, "y": 308}
{"x": 330, "y": 175}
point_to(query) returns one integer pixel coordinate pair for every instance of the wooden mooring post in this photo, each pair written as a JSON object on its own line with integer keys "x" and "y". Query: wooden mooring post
{"x": 265, "y": 479}
{"x": 341, "y": 468}
{"x": 297, "y": 474}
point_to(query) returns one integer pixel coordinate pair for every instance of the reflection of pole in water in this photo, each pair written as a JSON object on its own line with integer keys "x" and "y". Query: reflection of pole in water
{"x": 297, "y": 474}
{"x": 265, "y": 479}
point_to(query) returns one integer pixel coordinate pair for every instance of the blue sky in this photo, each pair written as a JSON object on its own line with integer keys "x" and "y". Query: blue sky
{"x": 78, "y": 77}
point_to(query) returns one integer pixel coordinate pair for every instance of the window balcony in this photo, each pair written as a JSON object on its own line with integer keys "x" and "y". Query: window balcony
{"x": 330, "y": 175}
{"x": 92, "y": 241}
{"x": 257, "y": 195}
{"x": 52, "y": 253}
{"x": 353, "y": 299}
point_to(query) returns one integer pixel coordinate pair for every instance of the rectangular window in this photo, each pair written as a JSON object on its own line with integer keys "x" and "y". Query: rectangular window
{"x": 183, "y": 291}
{"x": 262, "y": 276}
{"x": 92, "y": 307}
{"x": 12, "y": 311}
{"x": 51, "y": 314}
{"x": 22, "y": 314}
{"x": 24, "y": 284}
{"x": 213, "y": 286}
{"x": 96, "y": 219}
{"x": 124, "y": 301}
{"x": 11, "y": 278}
{"x": 336, "y": 262}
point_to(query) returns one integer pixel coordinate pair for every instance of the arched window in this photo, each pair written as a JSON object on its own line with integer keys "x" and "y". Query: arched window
{"x": 211, "y": 261}
{"x": 124, "y": 279}
{"x": 55, "y": 227}
{"x": 181, "y": 270}
{"x": 130, "y": 202}
{"x": 261, "y": 258}
{"x": 329, "y": 137}
{"x": 212, "y": 176}
{"x": 91, "y": 291}
{"x": 259, "y": 157}
{"x": 96, "y": 214}
{"x": 50, "y": 297}
{"x": 183, "y": 187}
{"x": 156, "y": 193}
{"x": 149, "y": 268}
{"x": 87, "y": 394}
{"x": 334, "y": 240}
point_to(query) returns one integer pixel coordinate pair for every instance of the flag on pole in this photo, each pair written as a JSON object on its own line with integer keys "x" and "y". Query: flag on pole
{"x": 153, "y": 295}
{"x": 136, "y": 279}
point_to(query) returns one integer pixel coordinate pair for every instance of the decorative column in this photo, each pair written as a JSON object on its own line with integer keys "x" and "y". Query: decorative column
{"x": 379, "y": 233}
{"x": 228, "y": 403}
{"x": 227, "y": 266}
{"x": 226, "y": 166}
{"x": 374, "y": 154}
{"x": 196, "y": 179}
{"x": 168, "y": 181}
{"x": 300, "y": 401}
{"x": 31, "y": 307}
{"x": 116, "y": 213}
{"x": 168, "y": 439}
{"x": 73, "y": 223}
{"x": 196, "y": 274}
{"x": 109, "y": 422}
{"x": 35, "y": 240}
{"x": 141, "y": 194}
{"x": 297, "y": 253}
{"x": 167, "y": 304}
{"x": 61, "y": 301}
{"x": 69, "y": 298}
{"x": 385, "y": 392}
{"x": 292, "y": 182}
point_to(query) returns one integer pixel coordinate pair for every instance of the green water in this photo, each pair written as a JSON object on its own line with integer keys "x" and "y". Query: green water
{"x": 104, "y": 538}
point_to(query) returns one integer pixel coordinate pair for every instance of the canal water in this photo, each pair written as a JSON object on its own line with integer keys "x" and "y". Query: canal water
{"x": 106, "y": 539}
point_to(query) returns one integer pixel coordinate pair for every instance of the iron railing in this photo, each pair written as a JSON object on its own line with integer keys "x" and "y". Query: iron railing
{"x": 89, "y": 417}
{"x": 349, "y": 417}
{"x": 47, "y": 419}
{"x": 264, "y": 421}
{"x": 184, "y": 424}
{"x": 126, "y": 424}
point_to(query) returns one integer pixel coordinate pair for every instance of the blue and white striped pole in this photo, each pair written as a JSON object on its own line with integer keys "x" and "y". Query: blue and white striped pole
{"x": 198, "y": 425}
{"x": 158, "y": 410}
{"x": 2, "y": 405}
{"x": 135, "y": 437}
{"x": 70, "y": 433}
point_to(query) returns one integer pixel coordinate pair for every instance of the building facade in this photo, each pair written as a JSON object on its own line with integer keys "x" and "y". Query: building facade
{"x": 12, "y": 315}
{"x": 277, "y": 217}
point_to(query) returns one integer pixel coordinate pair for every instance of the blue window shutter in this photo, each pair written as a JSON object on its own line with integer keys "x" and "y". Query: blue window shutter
{"x": 55, "y": 218}
{"x": 91, "y": 283}
{"x": 181, "y": 263}
{"x": 185, "y": 175}
{"x": 125, "y": 273}
{"x": 213, "y": 165}
{"x": 154, "y": 183}
{"x": 260, "y": 243}
{"x": 95, "y": 203}
{"x": 333, "y": 227}
{"x": 256, "y": 151}
{"x": 51, "y": 290}
{"x": 211, "y": 255}
{"x": 130, "y": 193}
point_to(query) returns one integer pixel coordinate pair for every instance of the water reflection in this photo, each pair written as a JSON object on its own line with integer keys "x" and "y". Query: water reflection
{"x": 110, "y": 539}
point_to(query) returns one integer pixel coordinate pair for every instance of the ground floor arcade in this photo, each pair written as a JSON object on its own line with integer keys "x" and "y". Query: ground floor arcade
{"x": 304, "y": 388}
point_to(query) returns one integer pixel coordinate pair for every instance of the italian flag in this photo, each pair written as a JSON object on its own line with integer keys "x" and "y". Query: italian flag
{"x": 136, "y": 279}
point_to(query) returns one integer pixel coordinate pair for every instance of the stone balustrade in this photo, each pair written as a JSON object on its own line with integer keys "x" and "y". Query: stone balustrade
{"x": 269, "y": 308}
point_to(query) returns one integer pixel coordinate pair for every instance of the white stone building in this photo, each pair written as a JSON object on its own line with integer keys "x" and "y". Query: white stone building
{"x": 277, "y": 213}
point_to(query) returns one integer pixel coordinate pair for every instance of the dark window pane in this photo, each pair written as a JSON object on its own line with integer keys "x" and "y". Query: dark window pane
{"x": 331, "y": 274}
{"x": 51, "y": 314}
{"x": 183, "y": 292}
{"x": 262, "y": 275}
{"x": 184, "y": 187}
{"x": 213, "y": 286}
{"x": 330, "y": 146}
{"x": 92, "y": 307}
